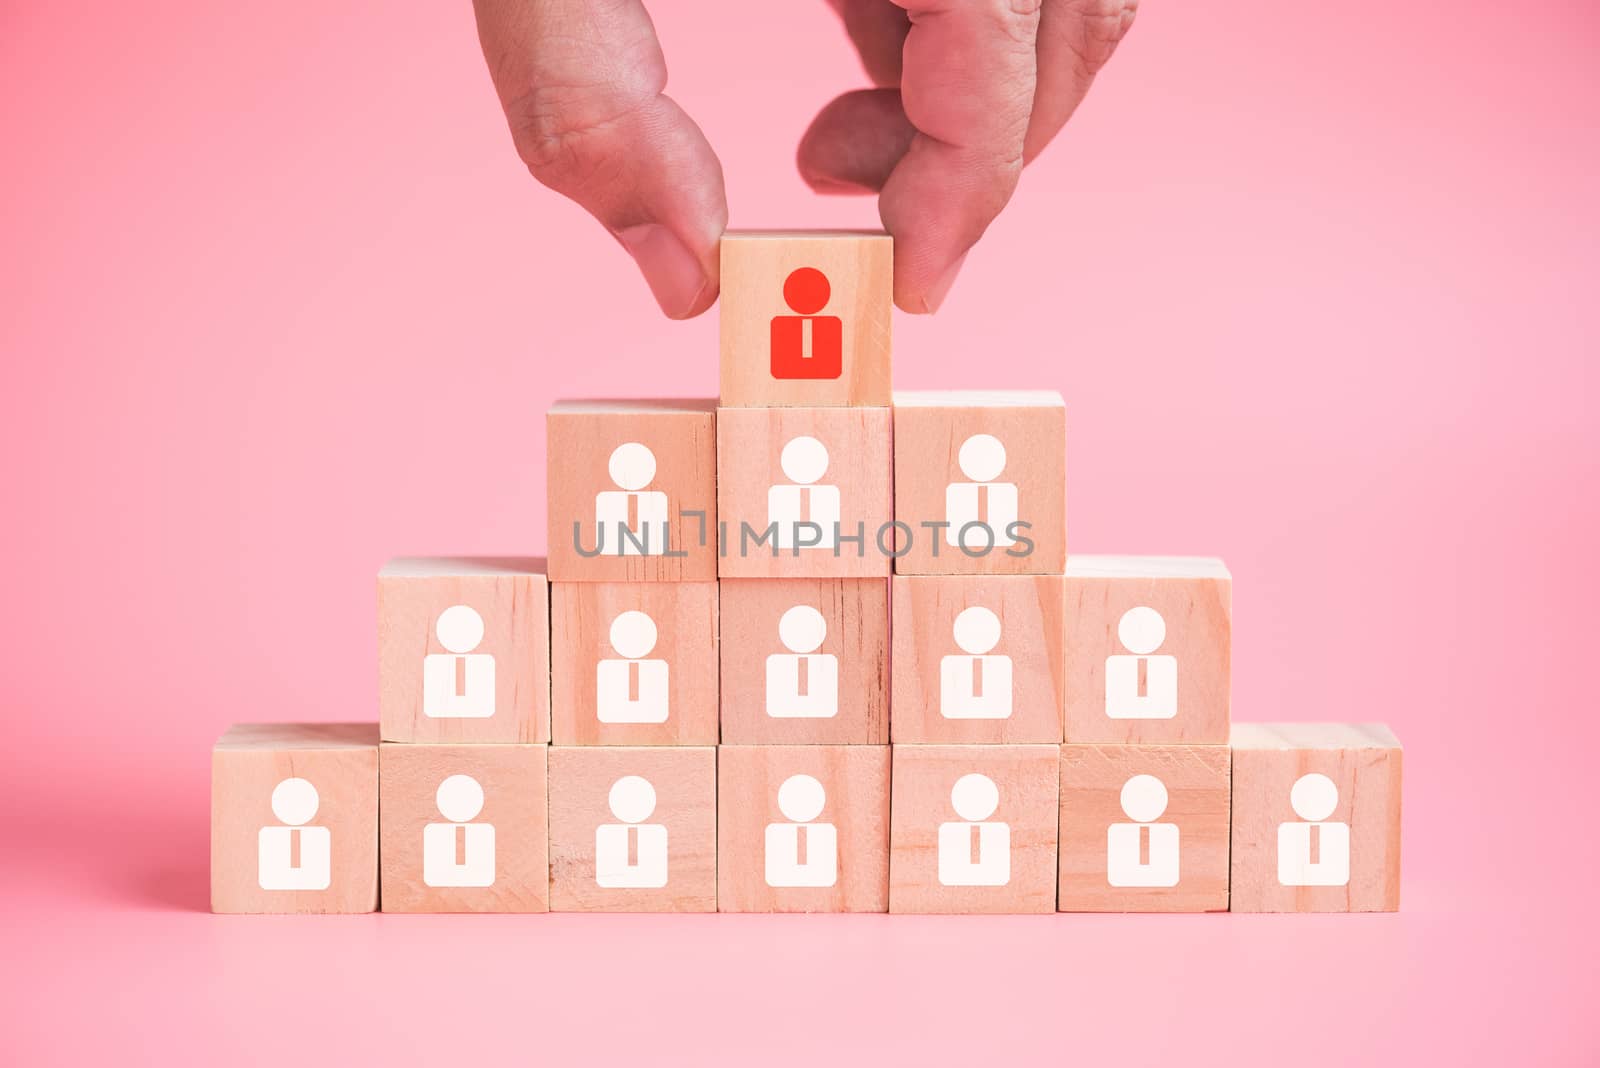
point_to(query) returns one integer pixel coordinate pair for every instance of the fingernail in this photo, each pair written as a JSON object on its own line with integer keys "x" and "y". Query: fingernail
{"x": 937, "y": 292}
{"x": 838, "y": 187}
{"x": 675, "y": 277}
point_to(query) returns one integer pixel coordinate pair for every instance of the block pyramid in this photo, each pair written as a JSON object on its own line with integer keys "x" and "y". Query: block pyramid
{"x": 817, "y": 646}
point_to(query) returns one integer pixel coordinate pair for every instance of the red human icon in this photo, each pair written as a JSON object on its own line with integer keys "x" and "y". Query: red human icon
{"x": 807, "y": 345}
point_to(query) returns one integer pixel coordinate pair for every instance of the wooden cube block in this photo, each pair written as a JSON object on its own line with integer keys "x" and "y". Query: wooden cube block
{"x": 1316, "y": 817}
{"x": 1144, "y": 828}
{"x": 977, "y": 659}
{"x": 294, "y": 818}
{"x": 805, "y": 661}
{"x": 804, "y": 492}
{"x": 805, "y": 319}
{"x": 634, "y": 663}
{"x": 1147, "y": 650}
{"x": 973, "y": 828}
{"x": 464, "y": 828}
{"x": 632, "y": 491}
{"x": 803, "y": 828}
{"x": 633, "y": 829}
{"x": 464, "y": 650}
{"x": 980, "y": 481}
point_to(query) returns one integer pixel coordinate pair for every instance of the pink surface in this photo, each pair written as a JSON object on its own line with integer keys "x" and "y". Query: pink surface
{"x": 1317, "y": 281}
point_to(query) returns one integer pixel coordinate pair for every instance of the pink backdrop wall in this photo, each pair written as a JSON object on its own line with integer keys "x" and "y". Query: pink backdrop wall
{"x": 1318, "y": 283}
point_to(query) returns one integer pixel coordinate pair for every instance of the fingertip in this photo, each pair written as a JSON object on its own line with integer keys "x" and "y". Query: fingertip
{"x": 932, "y": 297}
{"x": 677, "y": 278}
{"x": 853, "y": 144}
{"x": 702, "y": 302}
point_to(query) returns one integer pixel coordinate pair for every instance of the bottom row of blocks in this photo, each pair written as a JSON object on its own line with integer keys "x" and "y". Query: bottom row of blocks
{"x": 1312, "y": 814}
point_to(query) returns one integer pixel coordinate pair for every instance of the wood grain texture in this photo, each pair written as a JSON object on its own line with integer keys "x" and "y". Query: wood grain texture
{"x": 581, "y": 437}
{"x": 1363, "y": 760}
{"x": 514, "y": 805}
{"x": 750, "y": 449}
{"x": 1196, "y": 780}
{"x": 855, "y": 815}
{"x": 925, "y": 609}
{"x": 859, "y": 268}
{"x": 684, "y": 780}
{"x": 1027, "y": 778}
{"x": 511, "y": 597}
{"x": 930, "y": 430}
{"x": 855, "y": 613}
{"x": 340, "y": 760}
{"x": 685, "y": 617}
{"x": 1193, "y": 596}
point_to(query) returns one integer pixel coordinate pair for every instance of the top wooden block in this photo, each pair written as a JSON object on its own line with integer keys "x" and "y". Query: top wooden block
{"x": 1293, "y": 737}
{"x": 464, "y": 650}
{"x": 805, "y": 318}
{"x": 1148, "y": 650}
{"x": 632, "y": 488}
{"x": 980, "y": 482}
{"x": 294, "y": 818}
{"x": 1147, "y": 567}
{"x": 1316, "y": 818}
{"x": 283, "y": 737}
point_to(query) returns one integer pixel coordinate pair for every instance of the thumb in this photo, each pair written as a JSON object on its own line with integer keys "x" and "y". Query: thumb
{"x": 582, "y": 87}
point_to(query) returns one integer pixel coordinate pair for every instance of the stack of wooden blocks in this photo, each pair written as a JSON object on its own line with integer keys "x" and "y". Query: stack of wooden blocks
{"x": 817, "y": 649}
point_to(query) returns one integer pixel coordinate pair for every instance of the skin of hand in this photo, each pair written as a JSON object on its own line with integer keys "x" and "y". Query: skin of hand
{"x": 965, "y": 93}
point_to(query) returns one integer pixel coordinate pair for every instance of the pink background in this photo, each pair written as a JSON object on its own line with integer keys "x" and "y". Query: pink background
{"x": 1318, "y": 282}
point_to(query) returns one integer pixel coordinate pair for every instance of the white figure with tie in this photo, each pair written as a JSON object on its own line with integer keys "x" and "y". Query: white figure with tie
{"x": 981, "y": 499}
{"x": 1138, "y": 684}
{"x": 804, "y": 460}
{"x": 632, "y": 854}
{"x": 1144, "y": 852}
{"x": 801, "y": 852}
{"x": 631, "y": 520}
{"x": 974, "y": 851}
{"x": 802, "y": 683}
{"x": 628, "y": 687}
{"x": 458, "y": 684}
{"x": 460, "y": 852}
{"x": 1314, "y": 850}
{"x": 975, "y": 684}
{"x": 294, "y": 856}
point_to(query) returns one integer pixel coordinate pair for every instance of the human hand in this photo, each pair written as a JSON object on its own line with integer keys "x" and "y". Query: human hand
{"x": 967, "y": 92}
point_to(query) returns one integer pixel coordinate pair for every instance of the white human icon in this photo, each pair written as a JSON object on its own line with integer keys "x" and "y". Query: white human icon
{"x": 631, "y": 855}
{"x": 802, "y": 683}
{"x": 981, "y": 499}
{"x": 458, "y": 684}
{"x": 804, "y": 460}
{"x": 1314, "y": 851}
{"x": 974, "y": 851}
{"x": 460, "y": 852}
{"x": 631, "y": 520}
{"x": 1144, "y": 852}
{"x": 975, "y": 684}
{"x": 294, "y": 856}
{"x": 1139, "y": 685}
{"x": 629, "y": 688}
{"x": 799, "y": 851}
